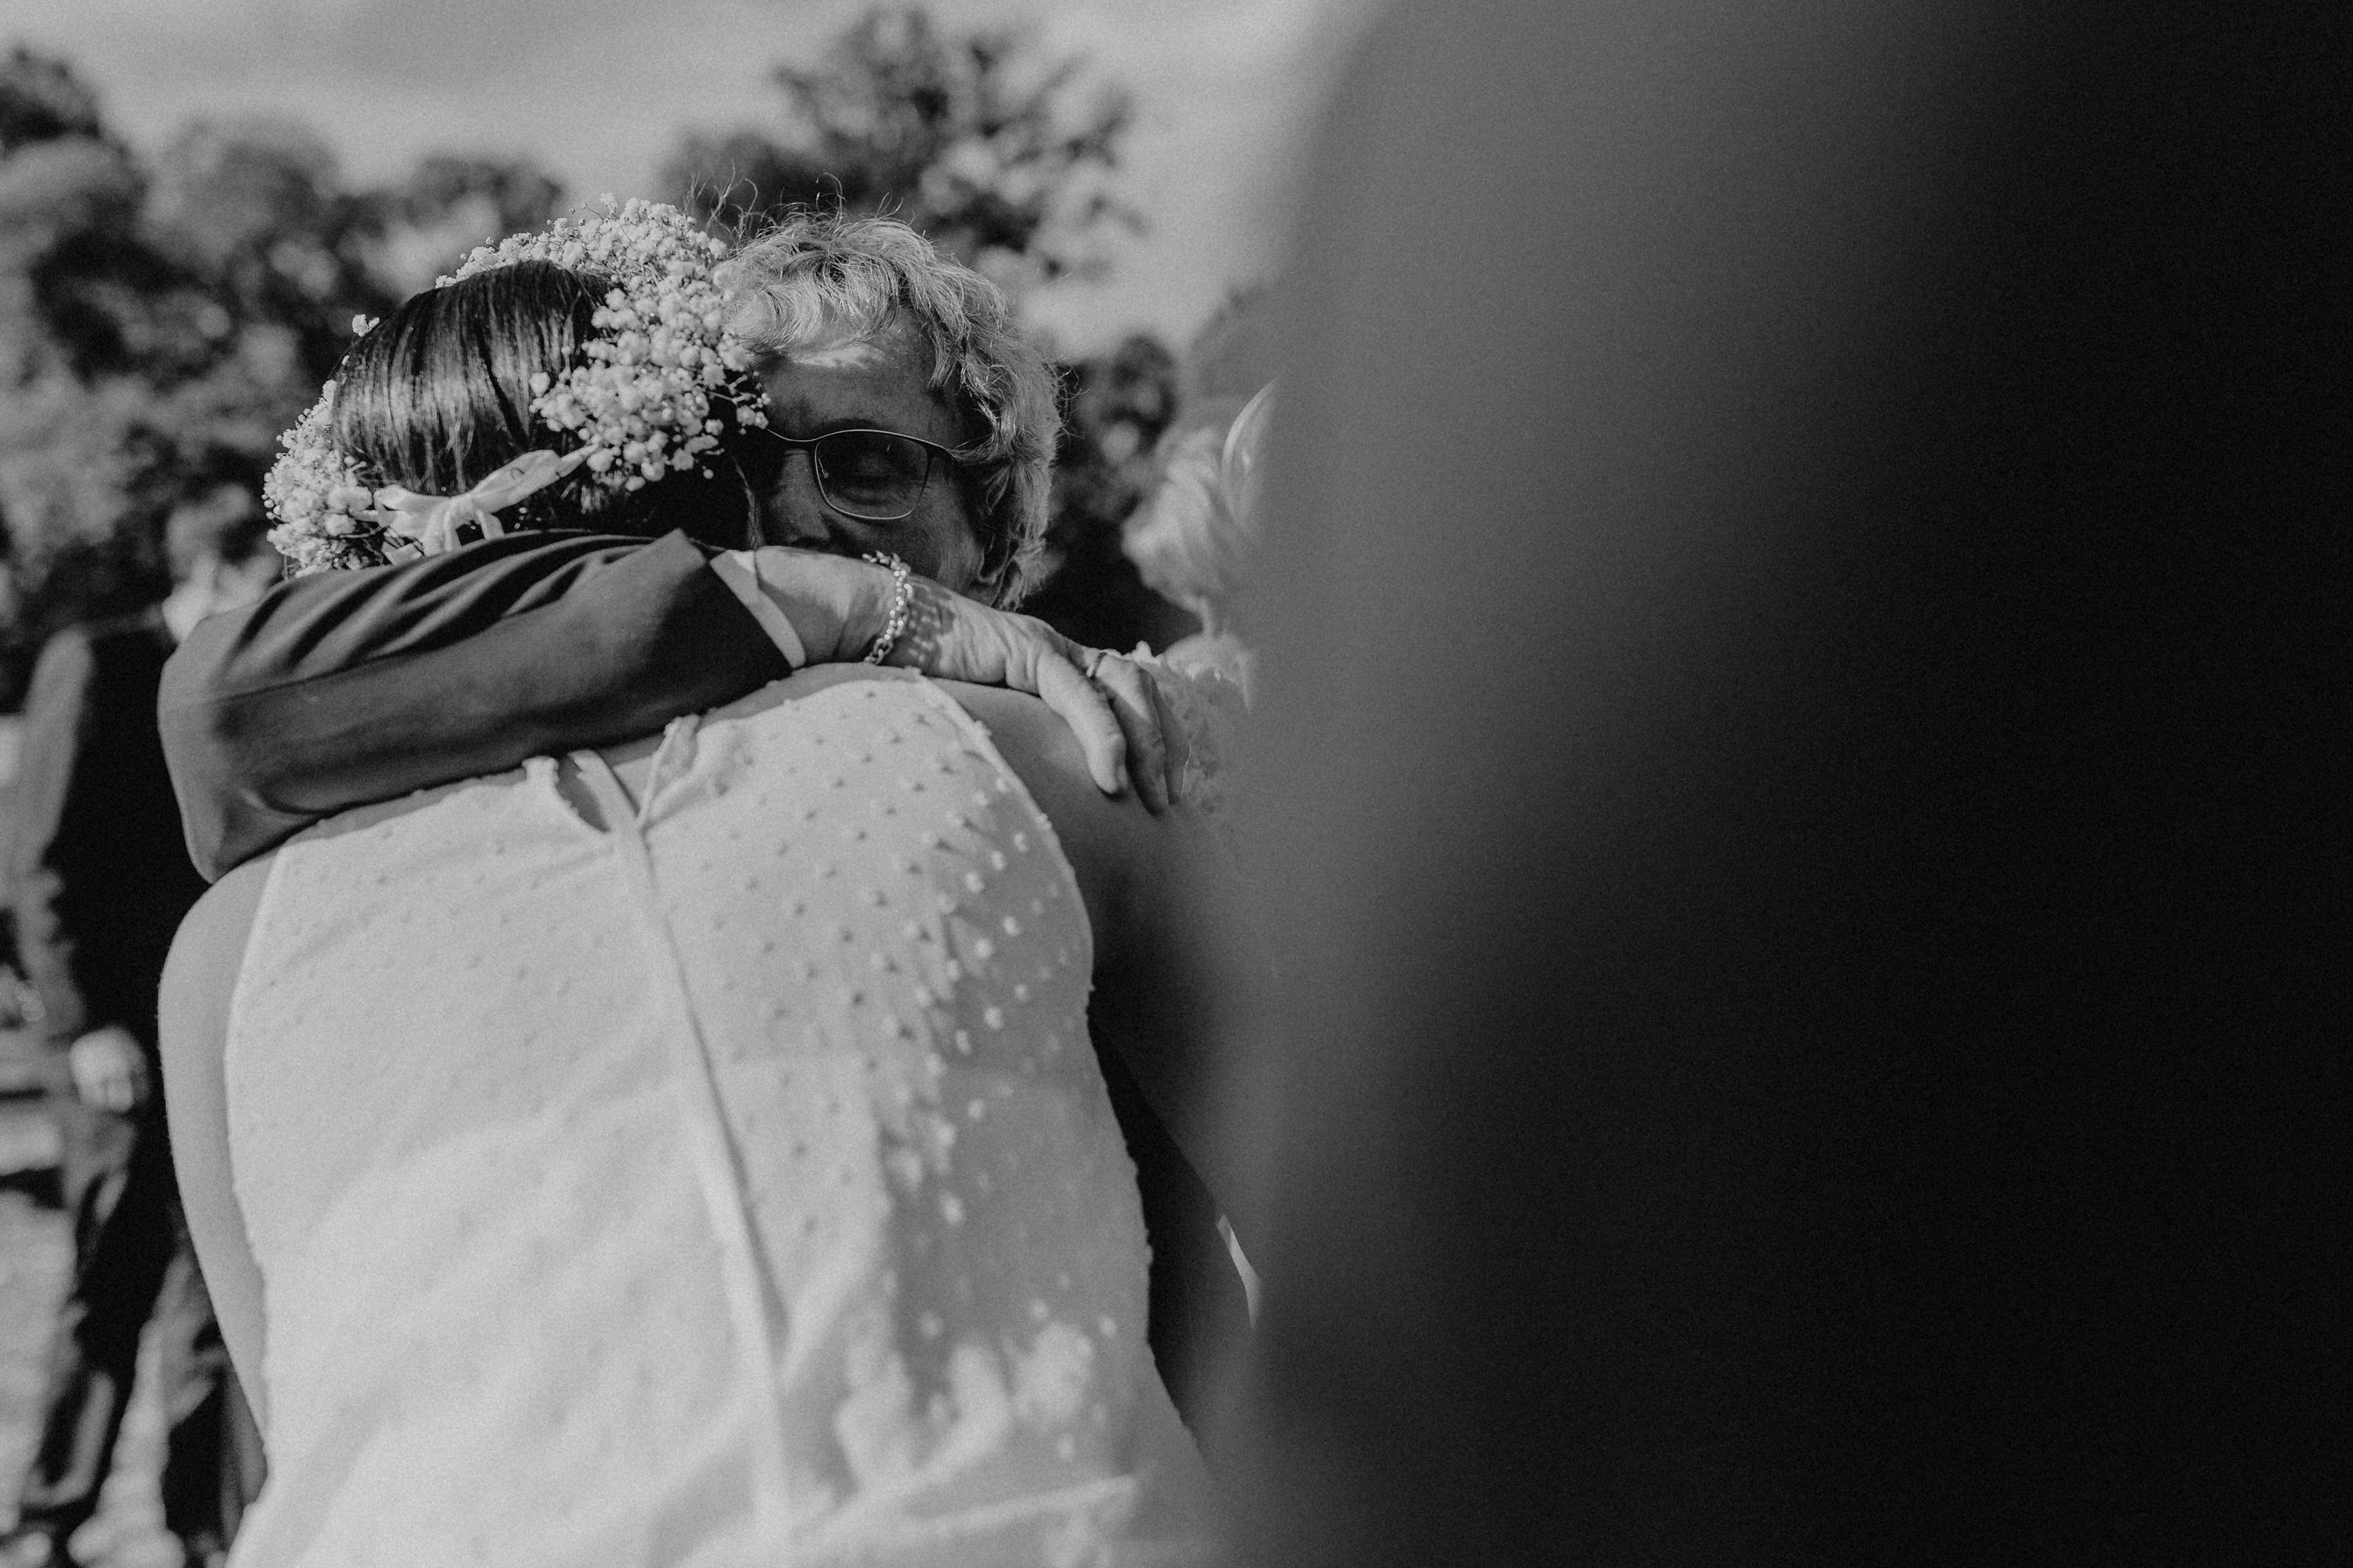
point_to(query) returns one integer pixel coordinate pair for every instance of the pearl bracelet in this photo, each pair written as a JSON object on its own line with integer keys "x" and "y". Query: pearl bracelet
{"x": 903, "y": 597}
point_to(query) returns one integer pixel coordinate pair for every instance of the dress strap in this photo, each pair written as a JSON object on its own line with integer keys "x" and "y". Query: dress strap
{"x": 711, "y": 1147}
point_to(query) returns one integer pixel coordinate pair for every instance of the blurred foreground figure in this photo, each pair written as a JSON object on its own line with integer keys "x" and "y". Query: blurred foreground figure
{"x": 1810, "y": 541}
{"x": 102, "y": 880}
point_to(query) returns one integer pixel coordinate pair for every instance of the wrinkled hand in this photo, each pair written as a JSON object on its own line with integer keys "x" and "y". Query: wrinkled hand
{"x": 1116, "y": 716}
{"x": 1154, "y": 737}
{"x": 109, "y": 1071}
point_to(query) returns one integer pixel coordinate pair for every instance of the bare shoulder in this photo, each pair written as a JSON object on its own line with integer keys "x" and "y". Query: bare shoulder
{"x": 201, "y": 974}
{"x": 199, "y": 982}
{"x": 1106, "y": 840}
{"x": 1033, "y": 738}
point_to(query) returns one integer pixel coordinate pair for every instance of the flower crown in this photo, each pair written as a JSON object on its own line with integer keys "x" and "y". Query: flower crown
{"x": 642, "y": 403}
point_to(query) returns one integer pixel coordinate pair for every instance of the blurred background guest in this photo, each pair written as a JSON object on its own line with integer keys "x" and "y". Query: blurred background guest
{"x": 101, "y": 878}
{"x": 1195, "y": 539}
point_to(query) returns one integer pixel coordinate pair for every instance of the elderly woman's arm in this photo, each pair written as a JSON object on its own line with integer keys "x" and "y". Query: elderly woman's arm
{"x": 338, "y": 689}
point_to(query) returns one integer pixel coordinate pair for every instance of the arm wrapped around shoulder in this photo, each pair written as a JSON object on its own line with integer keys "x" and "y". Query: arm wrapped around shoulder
{"x": 347, "y": 687}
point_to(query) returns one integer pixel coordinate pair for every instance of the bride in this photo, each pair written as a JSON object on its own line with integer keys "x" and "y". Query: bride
{"x": 691, "y": 1153}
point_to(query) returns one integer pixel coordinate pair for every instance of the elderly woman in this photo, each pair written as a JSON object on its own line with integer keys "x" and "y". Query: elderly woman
{"x": 891, "y": 369}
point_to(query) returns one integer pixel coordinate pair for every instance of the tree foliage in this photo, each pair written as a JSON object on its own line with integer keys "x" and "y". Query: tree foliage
{"x": 162, "y": 321}
{"x": 449, "y": 204}
{"x": 1115, "y": 408}
{"x": 1001, "y": 157}
{"x": 41, "y": 100}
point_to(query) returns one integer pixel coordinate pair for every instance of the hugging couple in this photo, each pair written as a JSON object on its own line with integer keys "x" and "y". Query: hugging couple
{"x": 659, "y": 1080}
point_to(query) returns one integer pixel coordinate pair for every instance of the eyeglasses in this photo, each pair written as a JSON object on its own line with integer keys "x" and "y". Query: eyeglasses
{"x": 875, "y": 475}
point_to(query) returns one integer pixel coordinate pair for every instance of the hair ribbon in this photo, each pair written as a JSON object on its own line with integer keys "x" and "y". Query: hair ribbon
{"x": 429, "y": 524}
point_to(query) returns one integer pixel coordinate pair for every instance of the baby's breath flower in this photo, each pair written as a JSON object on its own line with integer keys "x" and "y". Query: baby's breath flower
{"x": 309, "y": 491}
{"x": 662, "y": 363}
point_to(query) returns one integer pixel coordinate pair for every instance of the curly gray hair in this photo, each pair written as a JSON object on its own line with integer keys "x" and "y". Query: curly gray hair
{"x": 817, "y": 277}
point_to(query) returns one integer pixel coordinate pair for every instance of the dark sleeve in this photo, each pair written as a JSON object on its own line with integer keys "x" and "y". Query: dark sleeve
{"x": 58, "y": 725}
{"x": 345, "y": 687}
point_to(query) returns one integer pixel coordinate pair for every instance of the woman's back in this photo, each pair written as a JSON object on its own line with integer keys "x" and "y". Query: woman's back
{"x": 552, "y": 1129}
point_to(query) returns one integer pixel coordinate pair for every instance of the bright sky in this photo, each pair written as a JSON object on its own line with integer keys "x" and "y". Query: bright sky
{"x": 596, "y": 90}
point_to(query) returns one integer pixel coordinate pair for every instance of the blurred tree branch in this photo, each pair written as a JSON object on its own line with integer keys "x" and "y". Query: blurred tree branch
{"x": 1002, "y": 158}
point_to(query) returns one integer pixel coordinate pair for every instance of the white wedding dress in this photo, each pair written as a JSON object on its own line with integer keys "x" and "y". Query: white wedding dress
{"x": 736, "y": 1186}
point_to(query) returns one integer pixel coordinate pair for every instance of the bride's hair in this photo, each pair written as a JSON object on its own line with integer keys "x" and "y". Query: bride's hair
{"x": 438, "y": 394}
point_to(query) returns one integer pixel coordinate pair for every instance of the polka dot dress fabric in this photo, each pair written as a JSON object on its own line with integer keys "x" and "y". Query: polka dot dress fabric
{"x": 729, "y": 1181}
